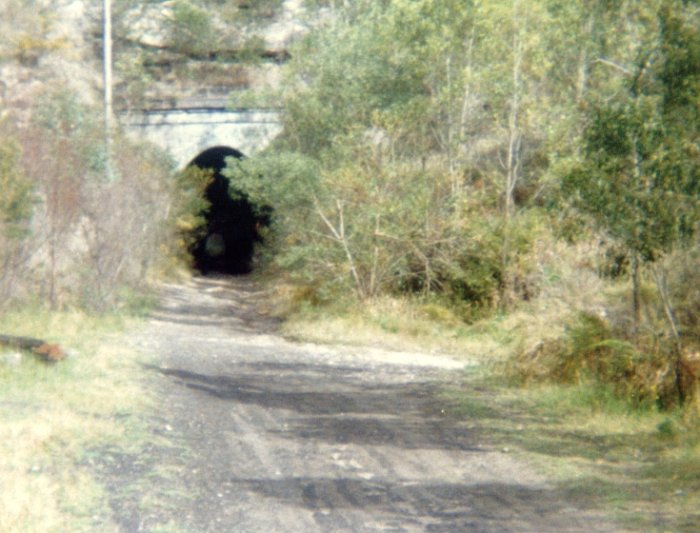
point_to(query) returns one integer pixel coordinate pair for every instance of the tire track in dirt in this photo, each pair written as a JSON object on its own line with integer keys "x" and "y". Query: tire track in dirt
{"x": 256, "y": 433}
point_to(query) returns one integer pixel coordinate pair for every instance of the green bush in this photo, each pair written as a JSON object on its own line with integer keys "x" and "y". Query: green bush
{"x": 16, "y": 204}
{"x": 187, "y": 215}
{"x": 636, "y": 370}
{"x": 17, "y": 196}
{"x": 191, "y": 31}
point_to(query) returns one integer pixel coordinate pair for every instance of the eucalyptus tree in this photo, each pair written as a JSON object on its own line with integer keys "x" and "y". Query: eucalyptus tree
{"x": 375, "y": 98}
{"x": 416, "y": 103}
{"x": 638, "y": 174}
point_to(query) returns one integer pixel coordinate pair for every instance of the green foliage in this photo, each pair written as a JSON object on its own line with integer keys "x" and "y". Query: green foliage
{"x": 591, "y": 353}
{"x": 411, "y": 127}
{"x": 594, "y": 351}
{"x": 17, "y": 197}
{"x": 136, "y": 79}
{"x": 287, "y": 181}
{"x": 383, "y": 103}
{"x": 252, "y": 50}
{"x": 639, "y": 172}
{"x": 191, "y": 31}
{"x": 667, "y": 428}
{"x": 374, "y": 226}
{"x": 17, "y": 202}
{"x": 61, "y": 113}
{"x": 359, "y": 71}
{"x": 189, "y": 207}
{"x": 247, "y": 99}
{"x": 627, "y": 182}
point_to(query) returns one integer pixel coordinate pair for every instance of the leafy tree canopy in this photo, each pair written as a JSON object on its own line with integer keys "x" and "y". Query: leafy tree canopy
{"x": 639, "y": 170}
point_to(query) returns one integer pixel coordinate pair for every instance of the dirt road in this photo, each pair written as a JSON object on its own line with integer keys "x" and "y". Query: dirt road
{"x": 256, "y": 433}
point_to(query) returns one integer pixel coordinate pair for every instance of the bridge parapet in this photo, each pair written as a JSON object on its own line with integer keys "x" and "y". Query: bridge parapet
{"x": 186, "y": 132}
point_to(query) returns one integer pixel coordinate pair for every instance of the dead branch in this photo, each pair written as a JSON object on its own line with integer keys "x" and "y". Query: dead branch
{"x": 49, "y": 353}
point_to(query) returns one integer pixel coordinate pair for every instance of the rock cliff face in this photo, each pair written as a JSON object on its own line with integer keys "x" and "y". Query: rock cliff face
{"x": 47, "y": 45}
{"x": 58, "y": 44}
{"x": 228, "y": 50}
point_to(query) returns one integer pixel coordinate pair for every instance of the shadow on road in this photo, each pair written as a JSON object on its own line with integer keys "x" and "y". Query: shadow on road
{"x": 258, "y": 434}
{"x": 422, "y": 506}
{"x": 340, "y": 406}
{"x": 334, "y": 404}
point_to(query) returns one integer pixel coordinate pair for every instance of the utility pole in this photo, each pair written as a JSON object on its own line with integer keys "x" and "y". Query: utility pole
{"x": 107, "y": 66}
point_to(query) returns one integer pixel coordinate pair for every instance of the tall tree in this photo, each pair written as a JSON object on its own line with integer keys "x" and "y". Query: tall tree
{"x": 638, "y": 174}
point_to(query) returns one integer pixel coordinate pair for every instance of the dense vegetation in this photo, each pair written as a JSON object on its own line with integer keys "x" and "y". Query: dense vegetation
{"x": 474, "y": 156}
{"x": 511, "y": 177}
{"x": 440, "y": 148}
{"x": 79, "y": 229}
{"x": 84, "y": 223}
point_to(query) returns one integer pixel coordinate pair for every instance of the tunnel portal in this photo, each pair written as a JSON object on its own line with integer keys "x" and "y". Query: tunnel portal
{"x": 231, "y": 229}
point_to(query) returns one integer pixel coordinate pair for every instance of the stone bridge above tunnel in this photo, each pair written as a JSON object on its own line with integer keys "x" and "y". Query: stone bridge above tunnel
{"x": 185, "y": 132}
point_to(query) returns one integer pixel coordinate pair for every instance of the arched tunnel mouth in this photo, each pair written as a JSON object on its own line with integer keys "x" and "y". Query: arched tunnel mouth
{"x": 231, "y": 222}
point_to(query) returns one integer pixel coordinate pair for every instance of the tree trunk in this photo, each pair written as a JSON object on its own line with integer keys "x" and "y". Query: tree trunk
{"x": 661, "y": 286}
{"x": 636, "y": 298}
{"x": 512, "y": 160}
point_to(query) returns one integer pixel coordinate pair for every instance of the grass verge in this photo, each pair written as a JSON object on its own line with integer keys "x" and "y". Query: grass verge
{"x": 52, "y": 415}
{"x": 643, "y": 467}
{"x": 398, "y": 324}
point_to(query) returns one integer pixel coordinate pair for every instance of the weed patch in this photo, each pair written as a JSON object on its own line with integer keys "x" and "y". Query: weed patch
{"x": 51, "y": 414}
{"x": 395, "y": 324}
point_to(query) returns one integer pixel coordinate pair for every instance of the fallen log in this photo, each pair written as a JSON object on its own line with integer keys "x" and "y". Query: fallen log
{"x": 49, "y": 353}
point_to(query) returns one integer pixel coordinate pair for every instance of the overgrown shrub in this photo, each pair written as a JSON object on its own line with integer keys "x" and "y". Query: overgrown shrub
{"x": 16, "y": 203}
{"x": 637, "y": 369}
{"x": 684, "y": 284}
{"x": 99, "y": 222}
{"x": 191, "y": 31}
{"x": 188, "y": 208}
{"x": 373, "y": 224}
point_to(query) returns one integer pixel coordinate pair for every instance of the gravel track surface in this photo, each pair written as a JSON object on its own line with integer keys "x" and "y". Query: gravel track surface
{"x": 256, "y": 433}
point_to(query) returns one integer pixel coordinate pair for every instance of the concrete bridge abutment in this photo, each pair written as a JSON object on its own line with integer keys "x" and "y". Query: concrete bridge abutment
{"x": 187, "y": 132}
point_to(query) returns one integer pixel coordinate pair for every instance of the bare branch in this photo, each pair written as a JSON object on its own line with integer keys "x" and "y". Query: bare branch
{"x": 609, "y": 63}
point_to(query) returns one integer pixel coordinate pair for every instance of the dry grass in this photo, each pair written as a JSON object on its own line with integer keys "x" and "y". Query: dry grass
{"x": 394, "y": 323}
{"x": 643, "y": 468}
{"x": 51, "y": 415}
{"x": 566, "y": 281}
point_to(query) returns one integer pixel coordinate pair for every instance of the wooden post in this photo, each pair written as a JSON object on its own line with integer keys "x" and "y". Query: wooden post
{"x": 107, "y": 67}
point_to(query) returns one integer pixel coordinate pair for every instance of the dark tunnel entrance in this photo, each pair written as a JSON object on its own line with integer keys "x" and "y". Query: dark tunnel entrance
{"x": 231, "y": 229}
